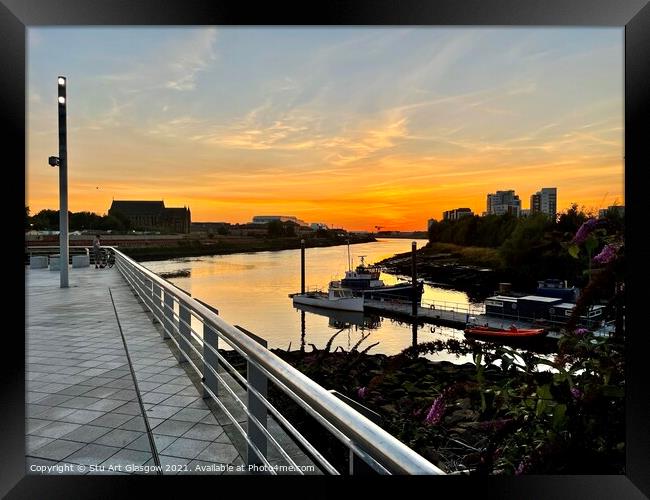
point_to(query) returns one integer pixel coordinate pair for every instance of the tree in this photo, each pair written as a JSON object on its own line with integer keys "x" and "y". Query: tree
{"x": 527, "y": 250}
{"x": 46, "y": 220}
{"x": 571, "y": 220}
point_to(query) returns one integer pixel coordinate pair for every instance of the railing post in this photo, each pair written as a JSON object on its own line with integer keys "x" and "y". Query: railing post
{"x": 156, "y": 302}
{"x": 210, "y": 359}
{"x": 356, "y": 465}
{"x": 184, "y": 339}
{"x": 258, "y": 381}
{"x": 168, "y": 315}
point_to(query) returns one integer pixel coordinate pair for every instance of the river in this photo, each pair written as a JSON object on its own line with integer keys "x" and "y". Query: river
{"x": 251, "y": 290}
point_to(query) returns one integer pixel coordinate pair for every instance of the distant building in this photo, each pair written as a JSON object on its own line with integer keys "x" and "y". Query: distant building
{"x": 430, "y": 223}
{"x": 525, "y": 212}
{"x": 549, "y": 201}
{"x": 503, "y": 202}
{"x": 535, "y": 203}
{"x": 265, "y": 219}
{"x": 456, "y": 213}
{"x": 619, "y": 209}
{"x": 208, "y": 227}
{"x": 318, "y": 225}
{"x": 544, "y": 201}
{"x": 153, "y": 215}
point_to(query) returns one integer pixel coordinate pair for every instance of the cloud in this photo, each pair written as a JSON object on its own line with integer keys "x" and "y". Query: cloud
{"x": 173, "y": 66}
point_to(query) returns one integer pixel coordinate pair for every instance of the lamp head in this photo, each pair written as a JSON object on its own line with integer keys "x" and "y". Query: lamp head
{"x": 53, "y": 161}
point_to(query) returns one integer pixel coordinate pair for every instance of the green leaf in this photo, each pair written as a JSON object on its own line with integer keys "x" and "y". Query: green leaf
{"x": 559, "y": 416}
{"x": 544, "y": 391}
{"x": 591, "y": 244}
{"x": 574, "y": 251}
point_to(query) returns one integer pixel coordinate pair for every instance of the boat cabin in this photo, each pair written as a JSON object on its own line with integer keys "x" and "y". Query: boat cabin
{"x": 501, "y": 305}
{"x": 336, "y": 293}
{"x": 563, "y": 311}
{"x": 558, "y": 289}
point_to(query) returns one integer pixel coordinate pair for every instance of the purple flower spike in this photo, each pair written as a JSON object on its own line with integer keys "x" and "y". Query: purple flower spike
{"x": 581, "y": 331}
{"x": 587, "y": 227}
{"x": 521, "y": 468}
{"x": 436, "y": 411}
{"x": 362, "y": 392}
{"x": 606, "y": 255}
{"x": 576, "y": 393}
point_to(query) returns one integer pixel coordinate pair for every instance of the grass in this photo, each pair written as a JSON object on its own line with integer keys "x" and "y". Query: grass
{"x": 478, "y": 256}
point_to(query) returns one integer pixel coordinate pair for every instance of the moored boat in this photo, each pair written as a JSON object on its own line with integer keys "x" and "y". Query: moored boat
{"x": 336, "y": 298}
{"x": 510, "y": 333}
{"x": 364, "y": 281}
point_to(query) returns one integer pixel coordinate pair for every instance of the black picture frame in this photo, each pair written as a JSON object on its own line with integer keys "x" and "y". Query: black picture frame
{"x": 633, "y": 15}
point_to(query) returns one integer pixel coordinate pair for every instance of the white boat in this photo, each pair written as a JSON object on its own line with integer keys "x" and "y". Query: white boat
{"x": 336, "y": 298}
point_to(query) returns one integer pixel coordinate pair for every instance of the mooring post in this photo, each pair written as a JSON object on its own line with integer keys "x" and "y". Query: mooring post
{"x": 414, "y": 282}
{"x": 302, "y": 266}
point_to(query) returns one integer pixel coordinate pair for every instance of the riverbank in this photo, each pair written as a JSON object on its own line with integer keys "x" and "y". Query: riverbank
{"x": 474, "y": 270}
{"x": 226, "y": 246}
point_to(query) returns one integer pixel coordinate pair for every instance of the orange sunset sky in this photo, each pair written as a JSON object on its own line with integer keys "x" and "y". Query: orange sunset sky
{"x": 352, "y": 127}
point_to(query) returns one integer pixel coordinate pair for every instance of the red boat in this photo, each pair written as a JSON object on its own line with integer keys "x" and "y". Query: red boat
{"x": 504, "y": 333}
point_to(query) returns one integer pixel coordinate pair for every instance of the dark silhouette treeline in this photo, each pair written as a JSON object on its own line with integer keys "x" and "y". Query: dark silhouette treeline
{"x": 48, "y": 220}
{"x": 529, "y": 248}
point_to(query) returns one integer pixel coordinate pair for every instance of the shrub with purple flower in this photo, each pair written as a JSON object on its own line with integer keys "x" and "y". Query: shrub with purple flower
{"x": 585, "y": 230}
{"x": 581, "y": 331}
{"x": 436, "y": 411}
{"x": 522, "y": 467}
{"x": 606, "y": 255}
{"x": 576, "y": 393}
{"x": 362, "y": 392}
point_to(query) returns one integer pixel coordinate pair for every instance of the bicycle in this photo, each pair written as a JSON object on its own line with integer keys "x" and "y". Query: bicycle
{"x": 106, "y": 258}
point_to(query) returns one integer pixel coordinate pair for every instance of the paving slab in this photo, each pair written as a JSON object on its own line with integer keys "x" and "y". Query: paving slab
{"x": 82, "y": 401}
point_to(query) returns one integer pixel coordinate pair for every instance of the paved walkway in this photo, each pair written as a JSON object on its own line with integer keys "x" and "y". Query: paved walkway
{"x": 84, "y": 406}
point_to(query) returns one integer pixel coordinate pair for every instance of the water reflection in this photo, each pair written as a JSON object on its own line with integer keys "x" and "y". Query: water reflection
{"x": 252, "y": 290}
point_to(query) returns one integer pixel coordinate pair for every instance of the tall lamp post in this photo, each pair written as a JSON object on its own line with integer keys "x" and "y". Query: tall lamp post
{"x": 62, "y": 162}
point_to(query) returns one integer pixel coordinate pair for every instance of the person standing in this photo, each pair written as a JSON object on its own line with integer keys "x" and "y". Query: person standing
{"x": 97, "y": 250}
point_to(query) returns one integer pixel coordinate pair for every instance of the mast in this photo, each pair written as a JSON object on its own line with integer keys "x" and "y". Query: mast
{"x": 349, "y": 258}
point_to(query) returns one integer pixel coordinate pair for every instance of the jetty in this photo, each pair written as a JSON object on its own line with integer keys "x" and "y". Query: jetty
{"x": 457, "y": 315}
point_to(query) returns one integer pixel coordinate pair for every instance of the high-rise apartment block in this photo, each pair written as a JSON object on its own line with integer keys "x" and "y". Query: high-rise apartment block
{"x": 456, "y": 213}
{"x": 544, "y": 201}
{"x": 503, "y": 202}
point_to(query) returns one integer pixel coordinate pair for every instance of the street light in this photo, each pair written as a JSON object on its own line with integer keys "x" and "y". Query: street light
{"x": 62, "y": 162}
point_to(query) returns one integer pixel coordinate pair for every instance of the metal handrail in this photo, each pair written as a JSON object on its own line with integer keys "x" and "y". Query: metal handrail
{"x": 349, "y": 426}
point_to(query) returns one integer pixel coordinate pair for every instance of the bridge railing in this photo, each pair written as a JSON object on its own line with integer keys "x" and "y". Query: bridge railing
{"x": 197, "y": 331}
